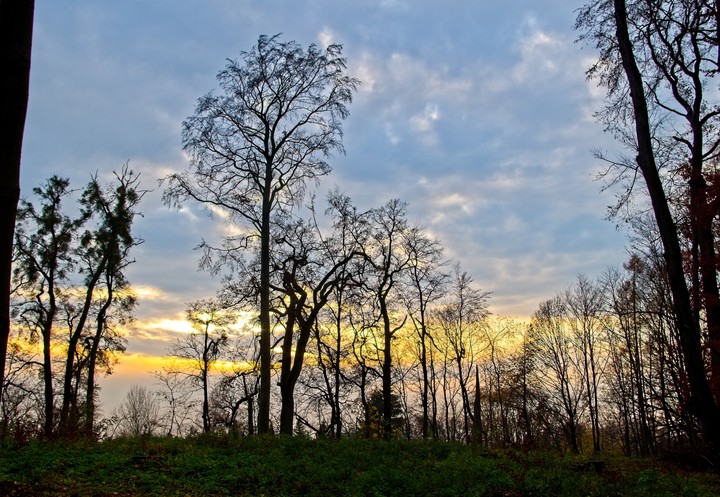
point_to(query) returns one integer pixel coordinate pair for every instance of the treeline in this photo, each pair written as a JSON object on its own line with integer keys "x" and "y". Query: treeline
{"x": 597, "y": 368}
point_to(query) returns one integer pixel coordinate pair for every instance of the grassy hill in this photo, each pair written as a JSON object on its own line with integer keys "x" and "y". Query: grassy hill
{"x": 283, "y": 466}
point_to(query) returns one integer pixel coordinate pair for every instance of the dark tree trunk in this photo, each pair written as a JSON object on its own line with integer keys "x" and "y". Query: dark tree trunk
{"x": 263, "y": 422}
{"x": 92, "y": 364}
{"x": 48, "y": 376}
{"x": 477, "y": 431}
{"x": 70, "y": 394}
{"x": 387, "y": 372}
{"x": 16, "y": 26}
{"x": 426, "y": 381}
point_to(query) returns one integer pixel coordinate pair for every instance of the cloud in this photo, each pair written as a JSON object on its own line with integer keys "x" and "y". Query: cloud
{"x": 326, "y": 37}
{"x": 424, "y": 123}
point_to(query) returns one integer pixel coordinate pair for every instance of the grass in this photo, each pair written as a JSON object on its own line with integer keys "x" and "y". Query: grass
{"x": 285, "y": 466}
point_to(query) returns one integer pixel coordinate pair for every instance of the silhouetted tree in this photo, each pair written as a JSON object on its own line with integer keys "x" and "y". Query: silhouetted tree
{"x": 655, "y": 60}
{"x": 43, "y": 243}
{"x": 203, "y": 347}
{"x": 254, "y": 147}
{"x": 139, "y": 414}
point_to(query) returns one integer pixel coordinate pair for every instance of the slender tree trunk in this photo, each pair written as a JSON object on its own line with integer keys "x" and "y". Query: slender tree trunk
{"x": 16, "y": 26}
{"x": 702, "y": 403}
{"x": 263, "y": 423}
{"x": 205, "y": 384}
{"x": 251, "y": 415}
{"x": 70, "y": 394}
{"x": 477, "y": 431}
{"x": 92, "y": 364}
{"x": 386, "y": 372}
{"x": 425, "y": 379}
{"x": 336, "y": 394}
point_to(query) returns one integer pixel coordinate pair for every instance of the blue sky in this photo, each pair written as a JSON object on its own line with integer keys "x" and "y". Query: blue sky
{"x": 476, "y": 113}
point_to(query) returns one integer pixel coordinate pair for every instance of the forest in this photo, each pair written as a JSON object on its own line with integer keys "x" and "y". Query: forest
{"x": 333, "y": 322}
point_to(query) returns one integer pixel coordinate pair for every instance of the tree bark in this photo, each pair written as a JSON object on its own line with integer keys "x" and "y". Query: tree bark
{"x": 16, "y": 26}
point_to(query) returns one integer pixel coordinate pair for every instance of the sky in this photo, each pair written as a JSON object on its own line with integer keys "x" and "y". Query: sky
{"x": 478, "y": 114}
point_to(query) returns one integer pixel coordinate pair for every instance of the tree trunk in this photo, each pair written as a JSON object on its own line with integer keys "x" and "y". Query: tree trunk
{"x": 425, "y": 380}
{"x": 477, "y": 431}
{"x": 92, "y": 364}
{"x": 287, "y": 385}
{"x": 70, "y": 394}
{"x": 263, "y": 423}
{"x": 16, "y": 26}
{"x": 702, "y": 402}
{"x": 386, "y": 372}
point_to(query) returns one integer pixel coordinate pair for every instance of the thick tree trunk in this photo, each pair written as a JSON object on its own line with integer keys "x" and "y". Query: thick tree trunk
{"x": 16, "y": 26}
{"x": 287, "y": 385}
{"x": 702, "y": 402}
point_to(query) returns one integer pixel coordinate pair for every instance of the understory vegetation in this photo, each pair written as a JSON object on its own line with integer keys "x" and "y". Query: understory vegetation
{"x": 275, "y": 466}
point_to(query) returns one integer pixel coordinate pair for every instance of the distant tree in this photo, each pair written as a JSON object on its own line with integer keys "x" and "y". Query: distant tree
{"x": 203, "y": 347}
{"x": 426, "y": 284}
{"x": 375, "y": 425}
{"x": 461, "y": 319}
{"x": 253, "y": 149}
{"x": 177, "y": 400}
{"x": 333, "y": 340}
{"x": 238, "y": 384}
{"x": 16, "y": 28}
{"x": 560, "y": 367}
{"x": 586, "y": 309}
{"x": 139, "y": 414}
{"x": 388, "y": 261}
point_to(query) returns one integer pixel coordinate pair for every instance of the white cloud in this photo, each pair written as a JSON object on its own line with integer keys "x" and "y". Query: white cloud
{"x": 326, "y": 37}
{"x": 366, "y": 71}
{"x": 423, "y": 123}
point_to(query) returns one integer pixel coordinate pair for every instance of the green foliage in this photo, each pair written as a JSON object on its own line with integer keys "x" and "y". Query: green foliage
{"x": 214, "y": 465}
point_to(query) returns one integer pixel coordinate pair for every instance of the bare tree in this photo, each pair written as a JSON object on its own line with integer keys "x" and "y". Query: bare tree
{"x": 559, "y": 367}
{"x": 426, "y": 284}
{"x": 253, "y": 149}
{"x": 461, "y": 318}
{"x": 178, "y": 402}
{"x": 650, "y": 49}
{"x": 139, "y": 414}
{"x": 203, "y": 347}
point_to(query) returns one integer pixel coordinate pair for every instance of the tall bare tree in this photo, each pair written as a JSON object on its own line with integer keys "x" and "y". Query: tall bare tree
{"x": 651, "y": 49}
{"x": 254, "y": 147}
